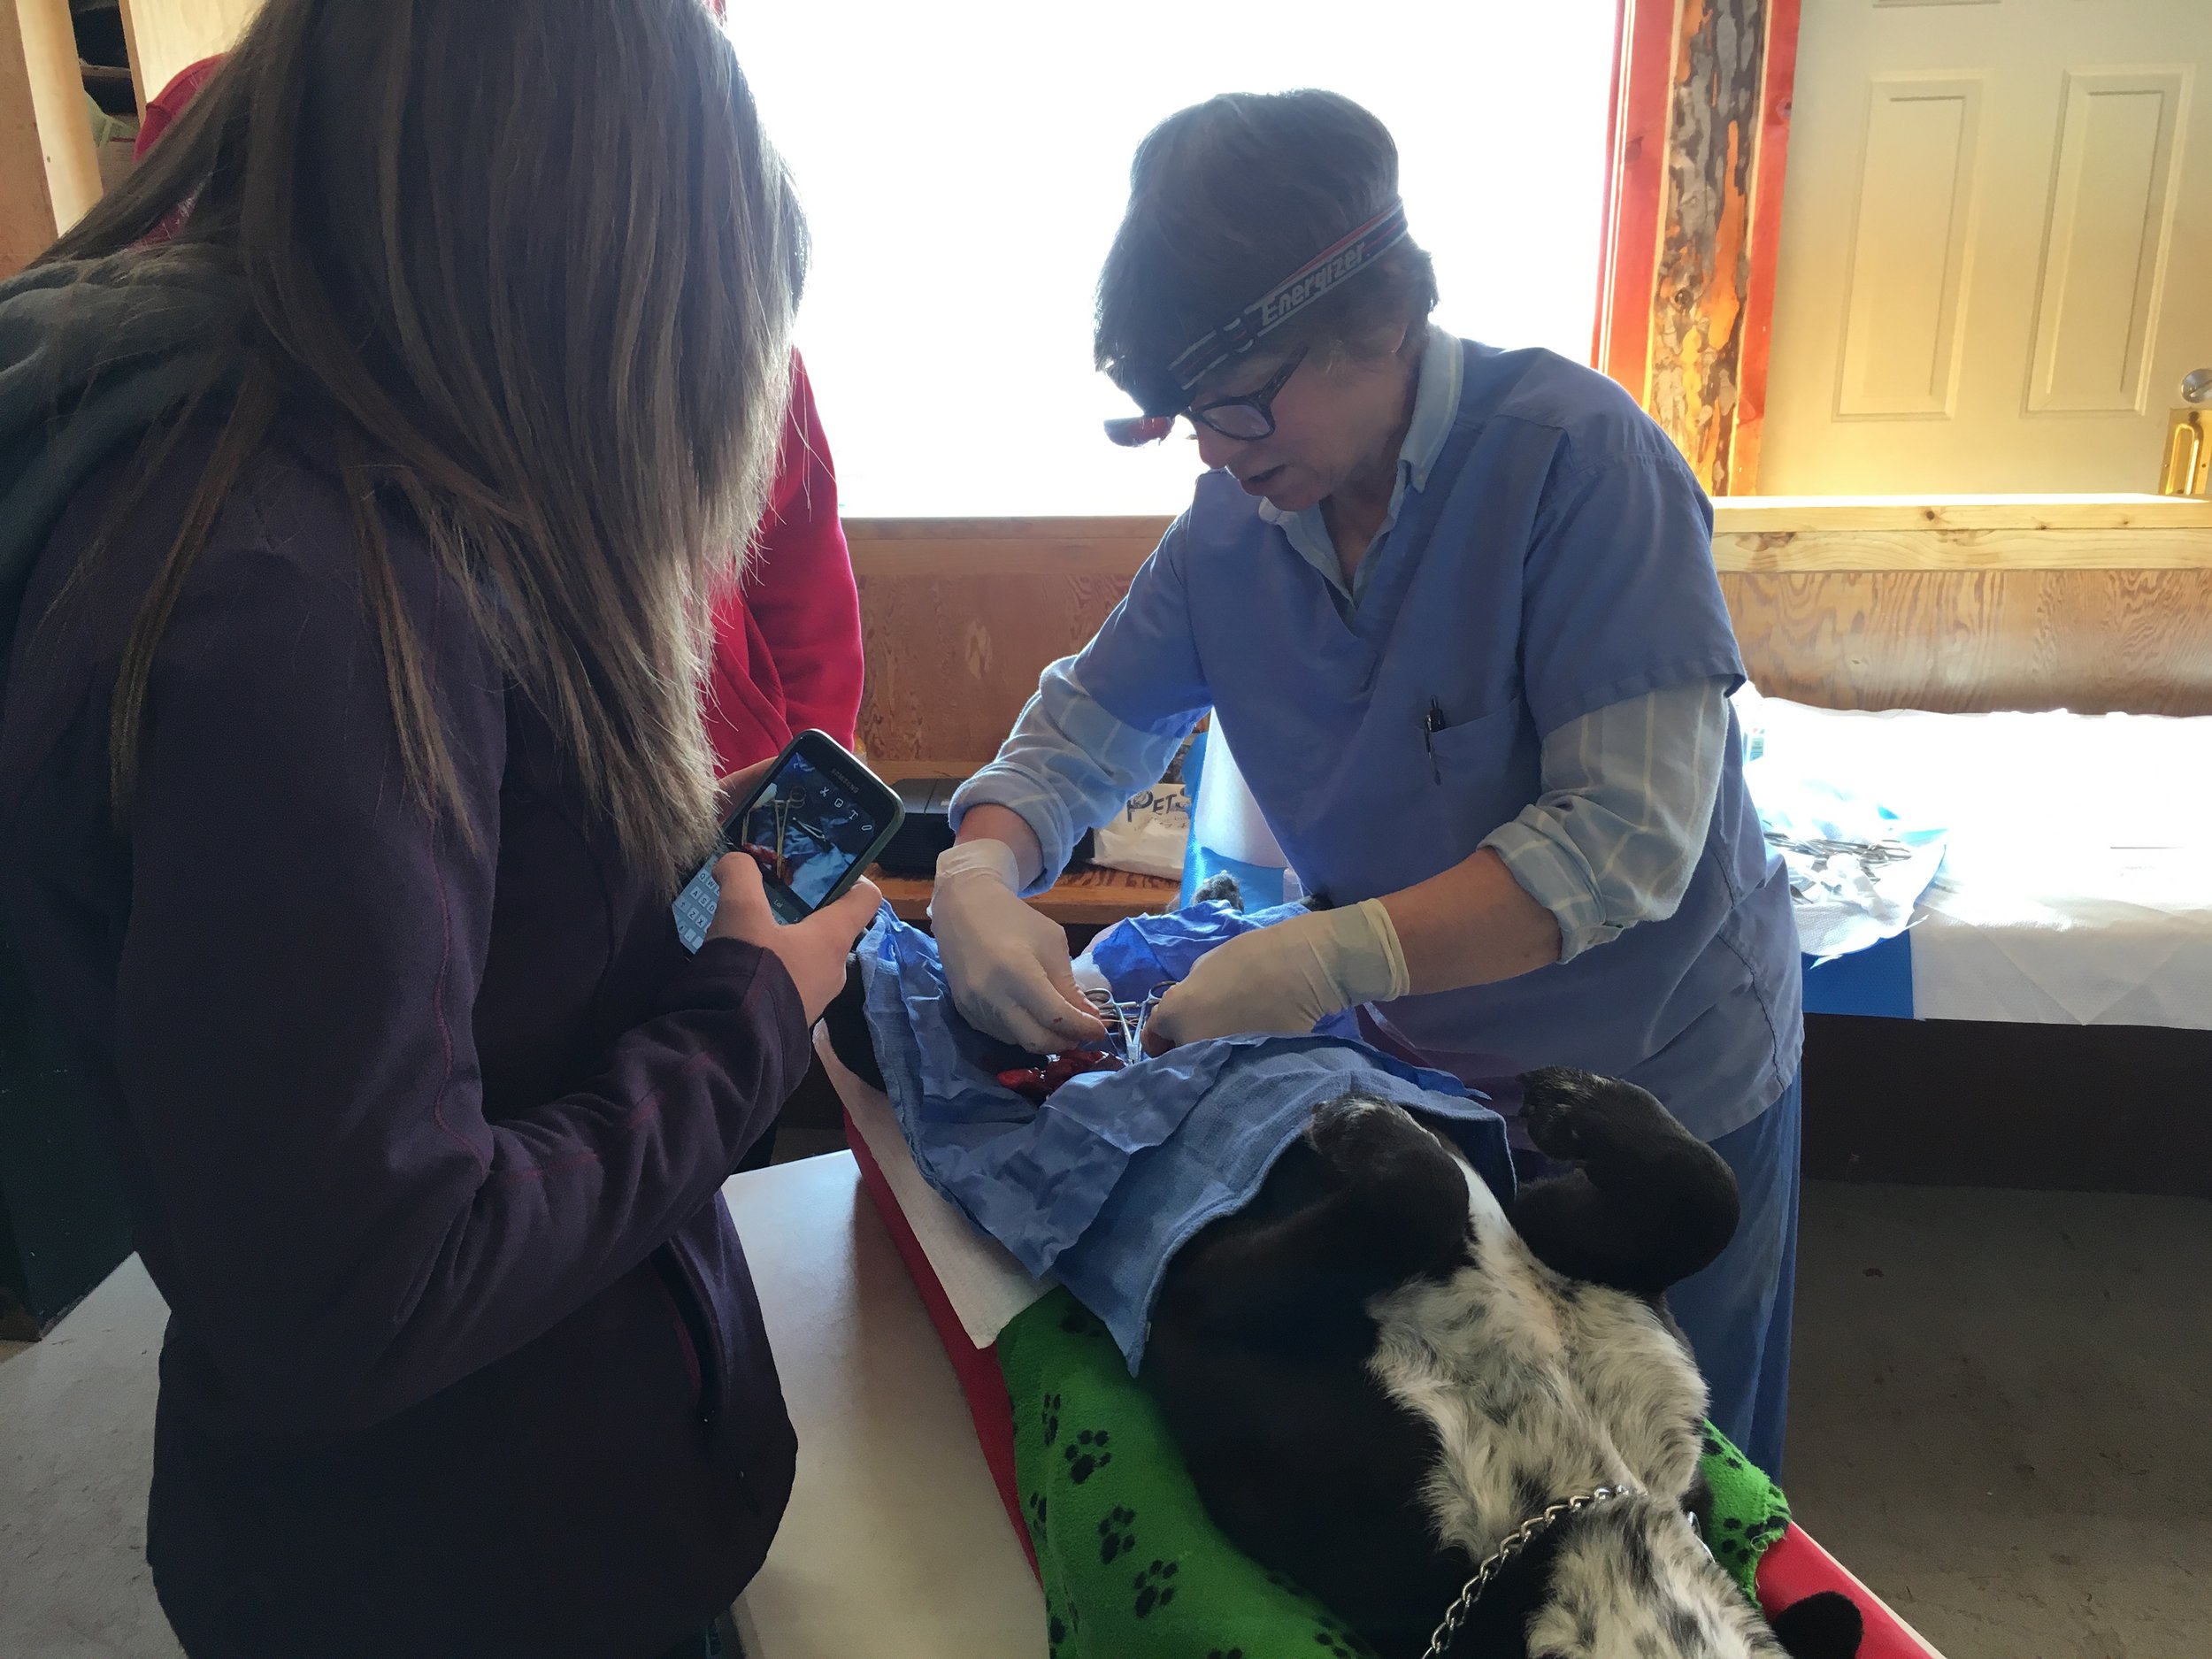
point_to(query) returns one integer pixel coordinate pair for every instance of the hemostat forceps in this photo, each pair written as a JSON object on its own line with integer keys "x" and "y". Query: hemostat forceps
{"x": 1127, "y": 1018}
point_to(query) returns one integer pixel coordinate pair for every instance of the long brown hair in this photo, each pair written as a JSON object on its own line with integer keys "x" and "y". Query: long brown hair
{"x": 537, "y": 263}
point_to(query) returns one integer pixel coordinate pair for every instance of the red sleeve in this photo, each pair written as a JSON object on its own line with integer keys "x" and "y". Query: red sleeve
{"x": 165, "y": 109}
{"x": 800, "y": 588}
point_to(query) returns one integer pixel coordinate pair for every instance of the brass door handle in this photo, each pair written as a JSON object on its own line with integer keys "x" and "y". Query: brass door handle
{"x": 2185, "y": 447}
{"x": 2187, "y": 465}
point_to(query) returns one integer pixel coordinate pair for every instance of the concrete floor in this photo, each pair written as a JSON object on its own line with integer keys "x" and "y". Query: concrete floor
{"x": 2002, "y": 1422}
{"x": 76, "y": 1448}
{"x": 2002, "y": 1415}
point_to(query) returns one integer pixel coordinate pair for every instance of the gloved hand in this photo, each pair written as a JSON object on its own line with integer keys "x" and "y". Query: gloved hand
{"x": 1007, "y": 965}
{"x": 1287, "y": 978}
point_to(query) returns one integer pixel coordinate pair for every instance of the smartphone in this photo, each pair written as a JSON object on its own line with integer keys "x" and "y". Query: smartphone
{"x": 814, "y": 826}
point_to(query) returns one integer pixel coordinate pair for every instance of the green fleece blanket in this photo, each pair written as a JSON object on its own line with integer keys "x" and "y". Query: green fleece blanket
{"x": 1132, "y": 1567}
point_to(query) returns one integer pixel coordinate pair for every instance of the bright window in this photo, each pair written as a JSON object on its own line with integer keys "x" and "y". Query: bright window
{"x": 963, "y": 166}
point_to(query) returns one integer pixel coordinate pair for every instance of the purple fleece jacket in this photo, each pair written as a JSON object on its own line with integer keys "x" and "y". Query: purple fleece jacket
{"x": 423, "y": 1138}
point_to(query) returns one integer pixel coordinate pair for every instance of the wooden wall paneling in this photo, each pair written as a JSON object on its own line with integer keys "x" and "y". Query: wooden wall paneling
{"x": 1967, "y": 604}
{"x": 1946, "y": 520}
{"x": 49, "y": 172}
{"x": 1970, "y": 641}
{"x": 951, "y": 659}
{"x": 1961, "y": 605}
{"x": 1779, "y": 533}
{"x": 1822, "y": 551}
{"x": 962, "y": 618}
{"x": 166, "y": 36}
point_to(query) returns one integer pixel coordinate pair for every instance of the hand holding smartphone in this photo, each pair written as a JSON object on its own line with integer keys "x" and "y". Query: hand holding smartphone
{"x": 815, "y": 952}
{"x": 813, "y": 825}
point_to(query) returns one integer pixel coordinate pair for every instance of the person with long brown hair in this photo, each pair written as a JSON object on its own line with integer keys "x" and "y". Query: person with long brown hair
{"x": 354, "y": 614}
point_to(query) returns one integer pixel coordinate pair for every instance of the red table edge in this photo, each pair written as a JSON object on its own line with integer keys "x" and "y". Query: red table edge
{"x": 978, "y": 1368}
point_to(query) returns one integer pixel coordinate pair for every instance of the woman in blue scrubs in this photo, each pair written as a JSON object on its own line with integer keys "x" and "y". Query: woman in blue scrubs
{"x": 1454, "y": 611}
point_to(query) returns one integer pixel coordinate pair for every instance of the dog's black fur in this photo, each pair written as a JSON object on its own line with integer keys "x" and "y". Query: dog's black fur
{"x": 1374, "y": 1373}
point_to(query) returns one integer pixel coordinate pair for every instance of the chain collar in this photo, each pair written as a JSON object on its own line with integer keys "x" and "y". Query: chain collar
{"x": 1514, "y": 1541}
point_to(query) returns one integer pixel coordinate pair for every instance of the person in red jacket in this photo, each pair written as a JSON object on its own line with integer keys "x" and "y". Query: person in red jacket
{"x": 786, "y": 635}
{"x": 787, "y": 638}
{"x": 162, "y": 112}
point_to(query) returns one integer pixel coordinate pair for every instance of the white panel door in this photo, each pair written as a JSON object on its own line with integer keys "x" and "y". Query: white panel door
{"x": 1996, "y": 254}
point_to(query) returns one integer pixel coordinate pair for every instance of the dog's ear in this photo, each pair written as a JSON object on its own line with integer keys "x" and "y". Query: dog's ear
{"x": 1828, "y": 1626}
{"x": 846, "y": 1019}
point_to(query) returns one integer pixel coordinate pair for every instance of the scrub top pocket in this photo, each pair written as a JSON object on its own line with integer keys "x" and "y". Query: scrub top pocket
{"x": 1478, "y": 774}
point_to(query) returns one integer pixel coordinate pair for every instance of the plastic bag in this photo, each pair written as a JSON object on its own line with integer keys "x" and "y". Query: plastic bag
{"x": 1151, "y": 835}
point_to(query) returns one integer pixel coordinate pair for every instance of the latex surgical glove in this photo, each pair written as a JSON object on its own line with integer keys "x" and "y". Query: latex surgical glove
{"x": 1284, "y": 978}
{"x": 1007, "y": 965}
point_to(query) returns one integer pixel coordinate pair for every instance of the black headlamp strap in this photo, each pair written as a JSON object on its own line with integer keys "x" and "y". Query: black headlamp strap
{"x": 1301, "y": 288}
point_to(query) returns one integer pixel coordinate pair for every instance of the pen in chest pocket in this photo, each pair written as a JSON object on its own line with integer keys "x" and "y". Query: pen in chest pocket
{"x": 1431, "y": 726}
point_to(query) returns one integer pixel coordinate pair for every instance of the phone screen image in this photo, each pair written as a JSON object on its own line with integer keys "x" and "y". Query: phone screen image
{"x": 805, "y": 831}
{"x": 820, "y": 818}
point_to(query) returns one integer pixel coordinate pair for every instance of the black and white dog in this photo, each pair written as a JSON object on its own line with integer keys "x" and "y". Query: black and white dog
{"x": 1379, "y": 1377}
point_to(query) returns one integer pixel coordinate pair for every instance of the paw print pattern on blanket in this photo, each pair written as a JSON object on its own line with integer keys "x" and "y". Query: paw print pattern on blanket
{"x": 1087, "y": 1455}
{"x": 1115, "y": 1537}
{"x": 1153, "y": 1588}
{"x": 1133, "y": 1566}
{"x": 1738, "y": 1540}
{"x": 1337, "y": 1640}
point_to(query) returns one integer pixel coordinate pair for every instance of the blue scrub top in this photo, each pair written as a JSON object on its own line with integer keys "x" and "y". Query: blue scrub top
{"x": 1557, "y": 559}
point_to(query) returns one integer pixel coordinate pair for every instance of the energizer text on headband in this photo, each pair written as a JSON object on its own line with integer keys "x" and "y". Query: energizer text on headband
{"x": 1318, "y": 276}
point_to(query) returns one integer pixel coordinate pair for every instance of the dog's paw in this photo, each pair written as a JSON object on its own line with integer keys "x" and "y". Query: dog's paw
{"x": 1406, "y": 1190}
{"x": 1573, "y": 1115}
{"x": 1559, "y": 1106}
{"x": 1826, "y": 1625}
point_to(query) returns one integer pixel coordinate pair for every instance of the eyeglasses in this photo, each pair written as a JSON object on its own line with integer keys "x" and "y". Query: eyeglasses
{"x": 1245, "y": 419}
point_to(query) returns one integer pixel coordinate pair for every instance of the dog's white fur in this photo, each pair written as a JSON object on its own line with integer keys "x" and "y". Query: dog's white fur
{"x": 1538, "y": 1388}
